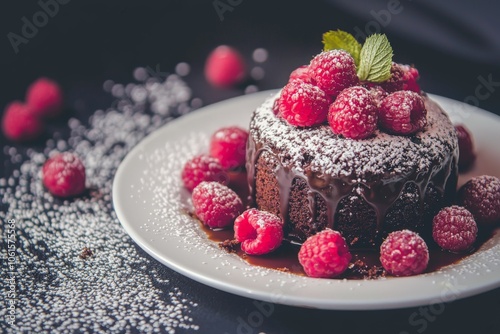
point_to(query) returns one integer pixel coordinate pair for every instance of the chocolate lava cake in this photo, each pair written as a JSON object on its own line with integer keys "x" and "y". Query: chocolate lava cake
{"x": 314, "y": 179}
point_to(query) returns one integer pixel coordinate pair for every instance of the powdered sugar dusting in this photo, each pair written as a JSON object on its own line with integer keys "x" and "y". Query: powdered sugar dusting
{"x": 381, "y": 155}
{"x": 113, "y": 288}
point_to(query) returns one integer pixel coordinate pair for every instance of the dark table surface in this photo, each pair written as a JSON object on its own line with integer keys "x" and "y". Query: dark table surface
{"x": 82, "y": 44}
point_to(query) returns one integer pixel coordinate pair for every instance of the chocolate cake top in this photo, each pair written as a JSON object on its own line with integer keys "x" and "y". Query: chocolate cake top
{"x": 319, "y": 151}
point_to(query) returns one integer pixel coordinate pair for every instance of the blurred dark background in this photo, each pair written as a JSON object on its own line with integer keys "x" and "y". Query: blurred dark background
{"x": 453, "y": 43}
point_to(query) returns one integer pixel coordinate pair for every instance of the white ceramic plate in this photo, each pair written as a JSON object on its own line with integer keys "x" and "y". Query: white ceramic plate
{"x": 149, "y": 201}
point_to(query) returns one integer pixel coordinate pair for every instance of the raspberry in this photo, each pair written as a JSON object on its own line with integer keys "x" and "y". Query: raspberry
{"x": 404, "y": 253}
{"x": 333, "y": 71}
{"x": 19, "y": 123}
{"x": 259, "y": 232}
{"x": 45, "y": 97}
{"x": 225, "y": 67}
{"x": 203, "y": 168}
{"x": 324, "y": 254}
{"x": 302, "y": 104}
{"x": 410, "y": 77}
{"x": 481, "y": 196}
{"x": 228, "y": 145}
{"x": 64, "y": 175}
{"x": 454, "y": 229}
{"x": 403, "y": 113}
{"x": 466, "y": 148}
{"x": 378, "y": 94}
{"x": 301, "y": 74}
{"x": 396, "y": 80}
{"x": 215, "y": 204}
{"x": 353, "y": 114}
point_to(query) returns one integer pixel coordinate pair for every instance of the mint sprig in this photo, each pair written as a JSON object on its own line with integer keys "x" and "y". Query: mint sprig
{"x": 342, "y": 40}
{"x": 375, "y": 59}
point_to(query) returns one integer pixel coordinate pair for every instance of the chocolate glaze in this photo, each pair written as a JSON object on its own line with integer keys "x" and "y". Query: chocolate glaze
{"x": 379, "y": 192}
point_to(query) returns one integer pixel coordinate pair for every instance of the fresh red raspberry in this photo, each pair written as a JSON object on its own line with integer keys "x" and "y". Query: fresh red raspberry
{"x": 228, "y": 145}
{"x": 333, "y": 71}
{"x": 410, "y": 78}
{"x": 225, "y": 67}
{"x": 403, "y": 113}
{"x": 324, "y": 254}
{"x": 64, "y": 175}
{"x": 45, "y": 98}
{"x": 454, "y": 229}
{"x": 466, "y": 148}
{"x": 396, "y": 81}
{"x": 19, "y": 122}
{"x": 481, "y": 196}
{"x": 404, "y": 253}
{"x": 353, "y": 114}
{"x": 301, "y": 73}
{"x": 378, "y": 94}
{"x": 259, "y": 232}
{"x": 215, "y": 204}
{"x": 203, "y": 168}
{"x": 302, "y": 104}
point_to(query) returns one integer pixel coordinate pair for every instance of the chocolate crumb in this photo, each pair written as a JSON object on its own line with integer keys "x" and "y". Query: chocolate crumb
{"x": 229, "y": 245}
{"x": 86, "y": 253}
{"x": 360, "y": 268}
{"x": 284, "y": 269}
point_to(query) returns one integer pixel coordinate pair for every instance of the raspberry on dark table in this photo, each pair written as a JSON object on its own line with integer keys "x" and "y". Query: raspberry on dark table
{"x": 19, "y": 123}
{"x": 45, "y": 97}
{"x": 64, "y": 175}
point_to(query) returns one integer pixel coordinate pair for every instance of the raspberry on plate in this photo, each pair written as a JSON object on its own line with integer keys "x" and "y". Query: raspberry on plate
{"x": 325, "y": 254}
{"x": 64, "y": 175}
{"x": 303, "y": 104}
{"x": 396, "y": 81}
{"x": 45, "y": 97}
{"x": 333, "y": 71}
{"x": 301, "y": 74}
{"x": 353, "y": 114}
{"x": 215, "y": 204}
{"x": 466, "y": 155}
{"x": 203, "y": 168}
{"x": 454, "y": 229}
{"x": 403, "y": 113}
{"x": 481, "y": 196}
{"x": 228, "y": 145}
{"x": 225, "y": 67}
{"x": 19, "y": 123}
{"x": 404, "y": 253}
{"x": 259, "y": 232}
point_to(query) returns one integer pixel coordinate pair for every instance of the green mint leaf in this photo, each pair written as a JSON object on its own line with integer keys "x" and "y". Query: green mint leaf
{"x": 342, "y": 40}
{"x": 375, "y": 59}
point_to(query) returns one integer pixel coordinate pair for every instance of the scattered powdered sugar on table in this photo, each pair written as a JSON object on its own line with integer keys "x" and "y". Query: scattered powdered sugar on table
{"x": 115, "y": 288}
